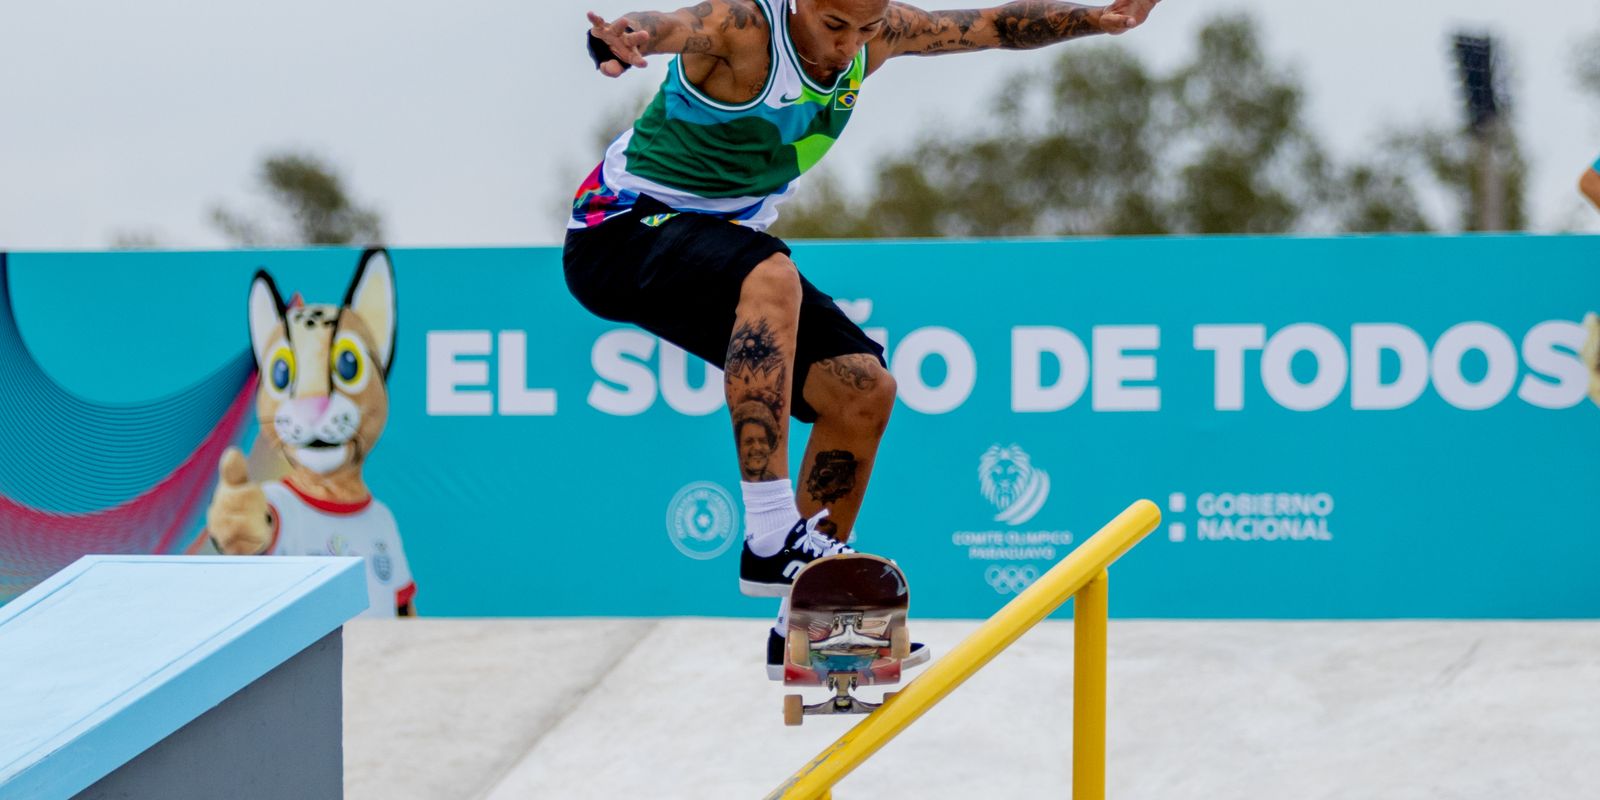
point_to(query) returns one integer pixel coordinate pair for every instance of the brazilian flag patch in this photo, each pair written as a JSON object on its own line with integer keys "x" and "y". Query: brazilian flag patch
{"x": 657, "y": 220}
{"x": 845, "y": 101}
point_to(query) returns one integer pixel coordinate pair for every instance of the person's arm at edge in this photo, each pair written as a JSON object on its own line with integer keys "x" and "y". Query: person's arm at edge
{"x": 1589, "y": 184}
{"x": 1018, "y": 25}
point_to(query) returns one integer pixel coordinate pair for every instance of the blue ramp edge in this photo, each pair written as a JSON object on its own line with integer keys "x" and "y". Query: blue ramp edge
{"x": 114, "y": 653}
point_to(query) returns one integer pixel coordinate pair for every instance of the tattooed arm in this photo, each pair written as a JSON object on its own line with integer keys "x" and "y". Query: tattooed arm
{"x": 1018, "y": 25}
{"x": 712, "y": 27}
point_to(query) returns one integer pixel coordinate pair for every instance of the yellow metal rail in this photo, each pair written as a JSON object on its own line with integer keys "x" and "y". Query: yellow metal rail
{"x": 1083, "y": 573}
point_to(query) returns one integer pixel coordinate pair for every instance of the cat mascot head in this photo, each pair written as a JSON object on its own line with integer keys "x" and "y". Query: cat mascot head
{"x": 324, "y": 369}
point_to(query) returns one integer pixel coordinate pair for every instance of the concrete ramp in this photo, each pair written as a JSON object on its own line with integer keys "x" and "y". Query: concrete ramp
{"x": 678, "y": 709}
{"x": 127, "y": 676}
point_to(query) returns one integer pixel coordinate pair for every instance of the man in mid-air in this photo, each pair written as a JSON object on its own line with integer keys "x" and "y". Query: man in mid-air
{"x": 668, "y": 232}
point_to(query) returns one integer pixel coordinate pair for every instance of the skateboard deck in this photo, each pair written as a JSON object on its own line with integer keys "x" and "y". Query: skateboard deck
{"x": 847, "y": 628}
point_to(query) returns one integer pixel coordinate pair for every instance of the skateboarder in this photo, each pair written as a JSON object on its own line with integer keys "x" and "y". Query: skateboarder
{"x": 668, "y": 232}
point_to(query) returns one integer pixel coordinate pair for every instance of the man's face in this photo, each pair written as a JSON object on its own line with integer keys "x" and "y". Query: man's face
{"x": 753, "y": 446}
{"x": 831, "y": 32}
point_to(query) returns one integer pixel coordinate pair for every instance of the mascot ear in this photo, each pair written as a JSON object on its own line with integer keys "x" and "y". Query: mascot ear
{"x": 371, "y": 297}
{"x": 266, "y": 313}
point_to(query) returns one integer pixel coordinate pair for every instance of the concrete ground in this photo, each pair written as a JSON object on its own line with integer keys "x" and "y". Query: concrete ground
{"x": 680, "y": 708}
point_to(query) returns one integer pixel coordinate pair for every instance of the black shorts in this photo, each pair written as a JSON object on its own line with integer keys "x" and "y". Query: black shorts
{"x": 680, "y": 279}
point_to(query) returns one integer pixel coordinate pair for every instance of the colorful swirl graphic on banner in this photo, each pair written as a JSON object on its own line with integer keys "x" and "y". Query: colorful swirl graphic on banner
{"x": 79, "y": 477}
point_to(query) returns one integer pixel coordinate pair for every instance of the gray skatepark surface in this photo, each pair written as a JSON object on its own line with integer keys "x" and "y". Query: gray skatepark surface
{"x": 680, "y": 708}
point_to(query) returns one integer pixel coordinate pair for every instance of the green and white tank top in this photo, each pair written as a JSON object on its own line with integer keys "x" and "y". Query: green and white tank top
{"x": 738, "y": 162}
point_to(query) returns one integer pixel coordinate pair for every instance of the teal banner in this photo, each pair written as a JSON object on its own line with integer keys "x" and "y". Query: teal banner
{"x": 1333, "y": 428}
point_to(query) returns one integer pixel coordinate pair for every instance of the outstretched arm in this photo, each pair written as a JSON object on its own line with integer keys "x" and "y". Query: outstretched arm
{"x": 1018, "y": 25}
{"x": 695, "y": 29}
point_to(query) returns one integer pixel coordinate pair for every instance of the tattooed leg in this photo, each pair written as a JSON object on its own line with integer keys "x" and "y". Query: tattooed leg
{"x": 757, "y": 375}
{"x": 853, "y": 396}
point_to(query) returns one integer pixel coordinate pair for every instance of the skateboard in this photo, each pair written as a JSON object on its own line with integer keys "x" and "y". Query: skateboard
{"x": 847, "y": 628}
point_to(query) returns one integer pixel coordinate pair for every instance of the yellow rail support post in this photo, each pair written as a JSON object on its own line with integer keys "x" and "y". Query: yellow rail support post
{"x": 1089, "y": 612}
{"x": 1082, "y": 566}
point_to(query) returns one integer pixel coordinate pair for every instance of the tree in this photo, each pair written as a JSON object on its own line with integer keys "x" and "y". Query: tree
{"x": 1079, "y": 165}
{"x": 1586, "y": 64}
{"x": 1448, "y": 161}
{"x": 1099, "y": 144}
{"x": 135, "y": 239}
{"x": 1377, "y": 197}
{"x": 311, "y": 205}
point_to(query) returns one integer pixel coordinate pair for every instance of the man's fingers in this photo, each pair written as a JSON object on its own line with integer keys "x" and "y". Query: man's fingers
{"x": 1117, "y": 23}
{"x": 625, "y": 44}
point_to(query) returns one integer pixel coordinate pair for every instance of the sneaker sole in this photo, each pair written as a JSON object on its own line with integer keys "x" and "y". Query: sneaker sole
{"x": 757, "y": 589}
{"x": 917, "y": 658}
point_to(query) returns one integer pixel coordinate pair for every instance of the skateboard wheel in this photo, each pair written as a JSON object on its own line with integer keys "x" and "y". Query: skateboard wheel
{"x": 794, "y": 710}
{"x": 900, "y": 643}
{"x": 799, "y": 644}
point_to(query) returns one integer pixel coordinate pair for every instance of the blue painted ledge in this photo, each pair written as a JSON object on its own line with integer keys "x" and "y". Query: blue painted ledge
{"x": 114, "y": 653}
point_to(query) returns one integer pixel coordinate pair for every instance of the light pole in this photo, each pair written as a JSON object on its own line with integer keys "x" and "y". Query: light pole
{"x": 1486, "y": 102}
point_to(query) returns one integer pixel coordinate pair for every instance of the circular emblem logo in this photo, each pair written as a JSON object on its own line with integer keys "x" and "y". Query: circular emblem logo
{"x": 701, "y": 520}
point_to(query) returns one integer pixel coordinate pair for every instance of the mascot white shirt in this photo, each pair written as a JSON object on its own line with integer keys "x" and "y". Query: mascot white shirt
{"x": 306, "y": 526}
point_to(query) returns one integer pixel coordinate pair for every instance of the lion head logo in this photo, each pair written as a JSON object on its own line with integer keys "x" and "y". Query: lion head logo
{"x": 1008, "y": 479}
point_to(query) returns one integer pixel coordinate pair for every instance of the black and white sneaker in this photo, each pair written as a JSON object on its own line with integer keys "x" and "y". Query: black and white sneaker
{"x": 773, "y": 576}
{"x": 775, "y": 646}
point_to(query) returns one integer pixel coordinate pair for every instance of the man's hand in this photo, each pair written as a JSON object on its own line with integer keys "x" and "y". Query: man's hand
{"x": 627, "y": 46}
{"x": 1125, "y": 15}
{"x": 713, "y": 28}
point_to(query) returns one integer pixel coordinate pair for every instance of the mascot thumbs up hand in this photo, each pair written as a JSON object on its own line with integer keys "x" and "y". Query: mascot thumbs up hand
{"x": 239, "y": 520}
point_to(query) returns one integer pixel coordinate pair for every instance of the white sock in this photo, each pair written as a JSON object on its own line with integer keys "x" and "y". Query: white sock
{"x": 769, "y": 515}
{"x": 782, "y": 626}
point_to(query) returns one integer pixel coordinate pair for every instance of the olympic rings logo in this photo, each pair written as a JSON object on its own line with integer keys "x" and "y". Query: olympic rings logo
{"x": 1010, "y": 579}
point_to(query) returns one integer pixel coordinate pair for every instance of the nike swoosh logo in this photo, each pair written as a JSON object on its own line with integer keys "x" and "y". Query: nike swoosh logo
{"x": 788, "y": 100}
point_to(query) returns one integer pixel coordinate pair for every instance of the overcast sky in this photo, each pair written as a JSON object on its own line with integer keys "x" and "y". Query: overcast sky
{"x": 470, "y": 122}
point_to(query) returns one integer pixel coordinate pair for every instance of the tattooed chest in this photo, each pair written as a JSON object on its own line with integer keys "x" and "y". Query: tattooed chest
{"x": 733, "y": 81}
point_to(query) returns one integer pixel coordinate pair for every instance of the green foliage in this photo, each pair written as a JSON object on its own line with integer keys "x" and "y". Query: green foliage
{"x": 311, "y": 204}
{"x": 135, "y": 239}
{"x": 1453, "y": 160}
{"x": 1100, "y": 144}
{"x": 1586, "y": 64}
{"x": 1377, "y": 197}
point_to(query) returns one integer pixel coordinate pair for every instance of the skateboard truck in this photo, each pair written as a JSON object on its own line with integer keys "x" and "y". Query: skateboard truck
{"x": 849, "y": 639}
{"x": 846, "y": 646}
{"x": 795, "y": 709}
{"x": 857, "y": 604}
